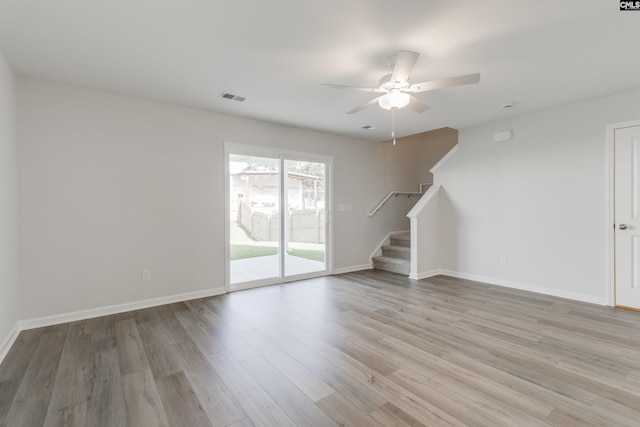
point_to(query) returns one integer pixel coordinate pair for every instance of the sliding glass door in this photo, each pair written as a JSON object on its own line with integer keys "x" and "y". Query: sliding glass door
{"x": 278, "y": 225}
{"x": 254, "y": 226}
{"x": 306, "y": 219}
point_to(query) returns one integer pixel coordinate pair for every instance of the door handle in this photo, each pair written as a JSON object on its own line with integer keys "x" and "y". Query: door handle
{"x": 622, "y": 226}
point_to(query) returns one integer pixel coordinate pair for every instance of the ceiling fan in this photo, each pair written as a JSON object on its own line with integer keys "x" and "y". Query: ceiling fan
{"x": 396, "y": 89}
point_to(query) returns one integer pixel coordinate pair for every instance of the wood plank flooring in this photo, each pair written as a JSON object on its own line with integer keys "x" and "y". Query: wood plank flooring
{"x": 360, "y": 349}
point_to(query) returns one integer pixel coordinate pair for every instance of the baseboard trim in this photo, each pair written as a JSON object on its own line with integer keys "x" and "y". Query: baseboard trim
{"x": 351, "y": 269}
{"x": 153, "y": 302}
{"x": 115, "y": 309}
{"x": 425, "y": 274}
{"x": 527, "y": 287}
{"x": 8, "y": 342}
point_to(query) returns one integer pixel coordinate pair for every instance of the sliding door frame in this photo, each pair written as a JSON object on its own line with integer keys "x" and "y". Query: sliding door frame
{"x": 282, "y": 155}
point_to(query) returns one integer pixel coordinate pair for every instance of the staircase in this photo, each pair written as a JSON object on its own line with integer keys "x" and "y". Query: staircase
{"x": 396, "y": 255}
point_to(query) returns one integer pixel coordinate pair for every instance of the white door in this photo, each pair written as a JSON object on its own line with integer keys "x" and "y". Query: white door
{"x": 627, "y": 216}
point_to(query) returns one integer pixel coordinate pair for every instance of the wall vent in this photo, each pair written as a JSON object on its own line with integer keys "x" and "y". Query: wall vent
{"x": 232, "y": 96}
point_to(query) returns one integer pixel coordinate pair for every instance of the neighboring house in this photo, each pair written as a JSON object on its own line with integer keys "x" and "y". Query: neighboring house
{"x": 259, "y": 189}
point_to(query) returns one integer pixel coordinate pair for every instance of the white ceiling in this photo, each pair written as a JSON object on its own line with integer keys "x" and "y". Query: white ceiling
{"x": 276, "y": 53}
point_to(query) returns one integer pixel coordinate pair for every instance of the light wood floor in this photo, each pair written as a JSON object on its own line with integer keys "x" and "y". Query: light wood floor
{"x": 359, "y": 349}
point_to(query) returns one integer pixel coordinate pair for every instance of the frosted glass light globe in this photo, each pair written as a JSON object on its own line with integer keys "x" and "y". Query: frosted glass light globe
{"x": 394, "y": 100}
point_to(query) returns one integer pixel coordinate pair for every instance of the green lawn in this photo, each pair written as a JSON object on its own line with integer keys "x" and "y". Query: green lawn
{"x": 311, "y": 254}
{"x": 247, "y": 251}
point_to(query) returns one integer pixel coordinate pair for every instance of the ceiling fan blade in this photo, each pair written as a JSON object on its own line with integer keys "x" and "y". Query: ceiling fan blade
{"x": 418, "y": 106}
{"x": 365, "y": 105}
{"x": 440, "y": 84}
{"x": 360, "y": 88}
{"x": 405, "y": 60}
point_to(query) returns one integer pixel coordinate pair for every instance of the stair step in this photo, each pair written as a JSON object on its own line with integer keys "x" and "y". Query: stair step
{"x": 402, "y": 252}
{"x": 393, "y": 265}
{"x": 401, "y": 239}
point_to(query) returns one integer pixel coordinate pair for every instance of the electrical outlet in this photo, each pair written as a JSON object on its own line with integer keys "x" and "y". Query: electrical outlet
{"x": 504, "y": 260}
{"x": 146, "y": 275}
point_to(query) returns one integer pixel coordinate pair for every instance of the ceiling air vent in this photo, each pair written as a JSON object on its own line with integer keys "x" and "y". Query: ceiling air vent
{"x": 232, "y": 96}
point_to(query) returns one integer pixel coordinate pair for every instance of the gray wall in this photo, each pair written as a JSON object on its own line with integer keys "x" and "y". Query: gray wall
{"x": 9, "y": 287}
{"x": 112, "y": 184}
{"x": 540, "y": 199}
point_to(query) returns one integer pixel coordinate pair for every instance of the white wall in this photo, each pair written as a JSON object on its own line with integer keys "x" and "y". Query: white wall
{"x": 9, "y": 290}
{"x": 406, "y": 166}
{"x": 425, "y": 234}
{"x": 111, "y": 184}
{"x": 539, "y": 199}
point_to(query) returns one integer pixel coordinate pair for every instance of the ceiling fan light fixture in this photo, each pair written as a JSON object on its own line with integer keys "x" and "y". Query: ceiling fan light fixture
{"x": 394, "y": 100}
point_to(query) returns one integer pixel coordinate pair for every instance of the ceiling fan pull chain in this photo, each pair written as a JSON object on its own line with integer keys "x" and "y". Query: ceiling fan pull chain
{"x": 393, "y": 125}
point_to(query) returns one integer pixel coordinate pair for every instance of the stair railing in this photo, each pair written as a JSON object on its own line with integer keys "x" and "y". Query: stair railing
{"x": 400, "y": 193}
